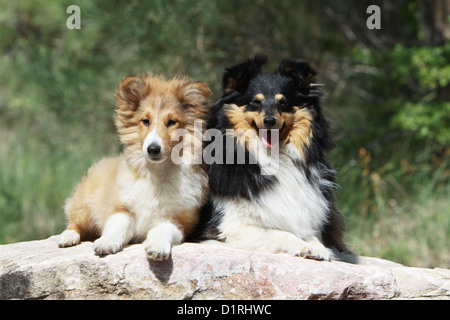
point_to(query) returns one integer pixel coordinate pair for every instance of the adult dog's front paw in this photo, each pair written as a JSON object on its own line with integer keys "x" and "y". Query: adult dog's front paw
{"x": 314, "y": 249}
{"x": 310, "y": 249}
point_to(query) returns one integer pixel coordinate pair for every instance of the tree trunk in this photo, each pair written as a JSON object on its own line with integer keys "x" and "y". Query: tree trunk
{"x": 435, "y": 21}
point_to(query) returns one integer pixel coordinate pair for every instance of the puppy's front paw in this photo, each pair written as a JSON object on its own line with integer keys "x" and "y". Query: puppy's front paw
{"x": 68, "y": 238}
{"x": 157, "y": 249}
{"x": 104, "y": 246}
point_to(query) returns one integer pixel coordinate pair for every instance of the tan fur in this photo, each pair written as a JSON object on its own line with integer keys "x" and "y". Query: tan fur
{"x": 97, "y": 190}
{"x": 298, "y": 130}
{"x": 260, "y": 97}
{"x": 242, "y": 122}
{"x": 187, "y": 220}
{"x": 239, "y": 119}
{"x": 109, "y": 186}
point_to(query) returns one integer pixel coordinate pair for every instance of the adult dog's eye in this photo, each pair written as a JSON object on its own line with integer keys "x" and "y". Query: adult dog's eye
{"x": 256, "y": 102}
{"x": 254, "y": 105}
{"x": 171, "y": 123}
{"x": 283, "y": 103}
{"x": 146, "y": 122}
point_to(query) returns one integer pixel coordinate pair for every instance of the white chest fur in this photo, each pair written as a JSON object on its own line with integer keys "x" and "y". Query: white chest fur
{"x": 161, "y": 194}
{"x": 293, "y": 205}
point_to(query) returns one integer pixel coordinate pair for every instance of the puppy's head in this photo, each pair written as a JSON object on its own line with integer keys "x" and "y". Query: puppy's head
{"x": 150, "y": 109}
{"x": 280, "y": 101}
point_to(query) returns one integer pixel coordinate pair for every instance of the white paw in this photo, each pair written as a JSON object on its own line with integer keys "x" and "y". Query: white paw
{"x": 104, "y": 246}
{"x": 157, "y": 249}
{"x": 316, "y": 251}
{"x": 68, "y": 238}
{"x": 310, "y": 249}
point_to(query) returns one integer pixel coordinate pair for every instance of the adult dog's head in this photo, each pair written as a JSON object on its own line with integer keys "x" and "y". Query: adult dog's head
{"x": 286, "y": 101}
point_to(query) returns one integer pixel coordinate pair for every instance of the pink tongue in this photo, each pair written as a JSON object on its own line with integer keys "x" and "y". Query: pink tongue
{"x": 267, "y": 143}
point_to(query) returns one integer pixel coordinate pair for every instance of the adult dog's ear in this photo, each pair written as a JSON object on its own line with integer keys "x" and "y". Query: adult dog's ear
{"x": 238, "y": 77}
{"x": 300, "y": 71}
{"x": 131, "y": 91}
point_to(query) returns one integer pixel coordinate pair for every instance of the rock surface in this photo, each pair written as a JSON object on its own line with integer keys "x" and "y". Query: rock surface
{"x": 41, "y": 270}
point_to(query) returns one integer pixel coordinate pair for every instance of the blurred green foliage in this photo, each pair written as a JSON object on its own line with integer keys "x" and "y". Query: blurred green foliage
{"x": 386, "y": 92}
{"x": 414, "y": 83}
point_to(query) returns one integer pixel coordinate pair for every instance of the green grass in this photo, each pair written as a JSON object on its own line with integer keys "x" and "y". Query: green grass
{"x": 35, "y": 180}
{"x": 396, "y": 203}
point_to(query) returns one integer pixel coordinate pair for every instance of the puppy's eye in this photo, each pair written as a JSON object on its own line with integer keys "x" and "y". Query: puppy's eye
{"x": 256, "y": 102}
{"x": 171, "y": 122}
{"x": 146, "y": 122}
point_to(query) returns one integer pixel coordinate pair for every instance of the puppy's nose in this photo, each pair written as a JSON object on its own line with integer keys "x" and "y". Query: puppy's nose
{"x": 154, "y": 149}
{"x": 269, "y": 122}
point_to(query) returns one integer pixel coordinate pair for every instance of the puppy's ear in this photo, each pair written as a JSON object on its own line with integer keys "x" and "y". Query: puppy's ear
{"x": 194, "y": 94}
{"x": 238, "y": 77}
{"x": 131, "y": 91}
{"x": 300, "y": 71}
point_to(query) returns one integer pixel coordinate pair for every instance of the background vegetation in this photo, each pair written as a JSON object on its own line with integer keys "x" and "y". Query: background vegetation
{"x": 387, "y": 93}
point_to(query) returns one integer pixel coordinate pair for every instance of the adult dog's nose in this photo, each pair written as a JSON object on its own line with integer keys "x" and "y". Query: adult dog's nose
{"x": 270, "y": 122}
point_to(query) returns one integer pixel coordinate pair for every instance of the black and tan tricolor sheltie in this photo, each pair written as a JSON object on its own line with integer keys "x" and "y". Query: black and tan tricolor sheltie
{"x": 280, "y": 199}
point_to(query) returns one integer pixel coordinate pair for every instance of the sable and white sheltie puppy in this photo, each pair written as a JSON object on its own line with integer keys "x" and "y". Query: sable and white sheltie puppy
{"x": 290, "y": 207}
{"x": 142, "y": 194}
